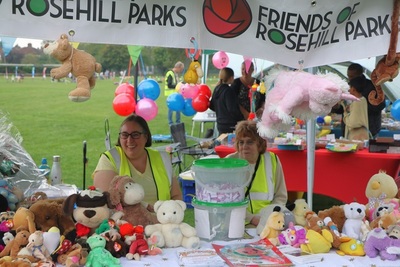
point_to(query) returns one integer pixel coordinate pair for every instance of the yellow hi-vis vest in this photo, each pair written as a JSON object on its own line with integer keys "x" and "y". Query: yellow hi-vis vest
{"x": 263, "y": 187}
{"x": 160, "y": 164}
{"x": 167, "y": 90}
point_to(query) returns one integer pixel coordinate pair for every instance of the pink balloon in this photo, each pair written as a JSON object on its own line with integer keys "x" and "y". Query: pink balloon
{"x": 147, "y": 109}
{"x": 220, "y": 60}
{"x": 189, "y": 91}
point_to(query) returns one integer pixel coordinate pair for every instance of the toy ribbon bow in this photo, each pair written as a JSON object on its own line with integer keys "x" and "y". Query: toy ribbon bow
{"x": 372, "y": 201}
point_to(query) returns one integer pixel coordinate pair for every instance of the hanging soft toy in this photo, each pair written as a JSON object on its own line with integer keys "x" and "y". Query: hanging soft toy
{"x": 299, "y": 94}
{"x": 79, "y": 63}
{"x": 388, "y": 67}
{"x": 194, "y": 73}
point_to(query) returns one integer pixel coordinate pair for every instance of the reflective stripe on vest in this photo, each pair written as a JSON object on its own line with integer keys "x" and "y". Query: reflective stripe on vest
{"x": 263, "y": 188}
{"x": 167, "y": 90}
{"x": 160, "y": 164}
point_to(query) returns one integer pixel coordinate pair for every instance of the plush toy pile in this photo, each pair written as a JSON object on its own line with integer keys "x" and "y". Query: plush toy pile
{"x": 358, "y": 229}
{"x": 93, "y": 228}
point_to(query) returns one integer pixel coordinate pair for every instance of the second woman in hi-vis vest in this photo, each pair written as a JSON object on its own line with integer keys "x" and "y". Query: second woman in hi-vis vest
{"x": 132, "y": 156}
{"x": 267, "y": 185}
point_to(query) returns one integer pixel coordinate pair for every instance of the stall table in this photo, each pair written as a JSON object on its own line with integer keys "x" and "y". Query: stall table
{"x": 203, "y": 118}
{"x": 343, "y": 176}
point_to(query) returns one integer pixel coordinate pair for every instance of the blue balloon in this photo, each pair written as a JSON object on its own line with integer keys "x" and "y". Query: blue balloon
{"x": 387, "y": 102}
{"x": 395, "y": 110}
{"x": 188, "y": 108}
{"x": 175, "y": 102}
{"x": 149, "y": 88}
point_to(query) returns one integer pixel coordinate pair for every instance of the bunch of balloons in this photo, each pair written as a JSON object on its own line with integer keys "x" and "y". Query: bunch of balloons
{"x": 189, "y": 98}
{"x": 125, "y": 104}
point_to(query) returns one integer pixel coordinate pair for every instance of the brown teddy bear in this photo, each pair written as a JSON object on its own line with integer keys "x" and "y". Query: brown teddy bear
{"x": 127, "y": 195}
{"x": 14, "y": 246}
{"x": 79, "y": 63}
{"x": 24, "y": 218}
{"x": 336, "y": 213}
{"x": 75, "y": 256}
{"x": 49, "y": 213}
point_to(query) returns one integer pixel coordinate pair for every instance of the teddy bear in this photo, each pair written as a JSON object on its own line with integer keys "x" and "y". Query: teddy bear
{"x": 319, "y": 225}
{"x": 126, "y": 196}
{"x": 355, "y": 214}
{"x": 317, "y": 242}
{"x": 274, "y": 226}
{"x": 266, "y": 211}
{"x": 378, "y": 243}
{"x": 49, "y": 213}
{"x": 88, "y": 209}
{"x": 384, "y": 221}
{"x": 172, "y": 231}
{"x": 299, "y": 209}
{"x": 336, "y": 213}
{"x": 25, "y": 218}
{"x": 381, "y": 188}
{"x": 74, "y": 257}
{"x": 37, "y": 247}
{"x": 79, "y": 63}
{"x": 98, "y": 255}
{"x": 20, "y": 240}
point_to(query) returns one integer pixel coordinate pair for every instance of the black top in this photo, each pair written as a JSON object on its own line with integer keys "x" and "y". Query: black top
{"x": 243, "y": 94}
{"x": 225, "y": 103}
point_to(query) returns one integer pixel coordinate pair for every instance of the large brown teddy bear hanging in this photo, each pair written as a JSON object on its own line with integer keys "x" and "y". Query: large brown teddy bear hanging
{"x": 79, "y": 63}
{"x": 127, "y": 196}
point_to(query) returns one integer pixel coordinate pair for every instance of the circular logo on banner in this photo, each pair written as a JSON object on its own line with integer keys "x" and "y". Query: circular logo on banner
{"x": 37, "y": 7}
{"x": 228, "y": 18}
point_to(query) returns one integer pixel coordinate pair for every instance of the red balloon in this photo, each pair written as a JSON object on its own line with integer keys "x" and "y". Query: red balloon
{"x": 200, "y": 103}
{"x": 125, "y": 88}
{"x": 204, "y": 90}
{"x": 124, "y": 104}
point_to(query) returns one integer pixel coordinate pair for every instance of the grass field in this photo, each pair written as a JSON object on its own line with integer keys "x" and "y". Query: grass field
{"x": 51, "y": 124}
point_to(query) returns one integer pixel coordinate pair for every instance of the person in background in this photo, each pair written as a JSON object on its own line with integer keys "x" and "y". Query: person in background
{"x": 171, "y": 80}
{"x": 267, "y": 184}
{"x": 374, "y": 112}
{"x": 242, "y": 86}
{"x": 355, "y": 116}
{"x": 225, "y": 103}
{"x": 133, "y": 156}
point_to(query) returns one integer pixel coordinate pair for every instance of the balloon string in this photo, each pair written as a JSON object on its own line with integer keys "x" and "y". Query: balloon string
{"x": 143, "y": 68}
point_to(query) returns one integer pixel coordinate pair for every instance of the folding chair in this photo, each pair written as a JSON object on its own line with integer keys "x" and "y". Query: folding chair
{"x": 181, "y": 148}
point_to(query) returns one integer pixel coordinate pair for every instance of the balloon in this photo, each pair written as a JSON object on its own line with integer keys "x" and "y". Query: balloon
{"x": 189, "y": 91}
{"x": 395, "y": 110}
{"x": 205, "y": 90}
{"x": 188, "y": 108}
{"x": 126, "y": 88}
{"x": 220, "y": 60}
{"x": 149, "y": 88}
{"x": 175, "y": 102}
{"x": 200, "y": 103}
{"x": 178, "y": 87}
{"x": 124, "y": 104}
{"x": 147, "y": 109}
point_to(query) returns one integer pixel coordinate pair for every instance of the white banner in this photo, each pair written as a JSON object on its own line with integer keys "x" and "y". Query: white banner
{"x": 289, "y": 32}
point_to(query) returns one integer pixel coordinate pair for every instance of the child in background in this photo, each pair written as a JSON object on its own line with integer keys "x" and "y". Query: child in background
{"x": 225, "y": 103}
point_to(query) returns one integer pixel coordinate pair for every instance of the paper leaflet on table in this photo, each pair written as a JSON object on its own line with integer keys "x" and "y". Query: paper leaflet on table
{"x": 259, "y": 253}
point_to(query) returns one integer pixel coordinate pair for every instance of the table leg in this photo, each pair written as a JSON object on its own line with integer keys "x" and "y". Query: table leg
{"x": 193, "y": 124}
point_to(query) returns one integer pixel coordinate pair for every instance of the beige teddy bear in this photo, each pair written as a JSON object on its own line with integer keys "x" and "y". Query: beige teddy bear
{"x": 79, "y": 63}
{"x": 172, "y": 232}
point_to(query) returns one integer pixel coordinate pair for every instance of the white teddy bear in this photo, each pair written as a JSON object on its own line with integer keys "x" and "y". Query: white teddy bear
{"x": 171, "y": 232}
{"x": 355, "y": 214}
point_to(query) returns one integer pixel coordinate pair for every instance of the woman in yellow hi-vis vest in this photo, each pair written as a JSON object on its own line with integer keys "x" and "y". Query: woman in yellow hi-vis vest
{"x": 171, "y": 80}
{"x": 267, "y": 184}
{"x": 133, "y": 157}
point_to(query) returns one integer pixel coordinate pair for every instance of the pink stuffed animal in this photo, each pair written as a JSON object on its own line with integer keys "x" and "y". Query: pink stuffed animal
{"x": 299, "y": 94}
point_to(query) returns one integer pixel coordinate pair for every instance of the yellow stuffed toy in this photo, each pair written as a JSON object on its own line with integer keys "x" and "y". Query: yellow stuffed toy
{"x": 194, "y": 73}
{"x": 274, "y": 226}
{"x": 79, "y": 63}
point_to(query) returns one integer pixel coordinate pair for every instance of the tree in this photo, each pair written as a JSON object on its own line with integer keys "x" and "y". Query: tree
{"x": 115, "y": 57}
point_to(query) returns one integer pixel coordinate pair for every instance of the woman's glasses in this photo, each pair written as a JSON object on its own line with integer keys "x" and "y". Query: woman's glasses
{"x": 133, "y": 135}
{"x": 248, "y": 142}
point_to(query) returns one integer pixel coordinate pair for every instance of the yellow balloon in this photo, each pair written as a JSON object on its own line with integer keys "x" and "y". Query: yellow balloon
{"x": 178, "y": 86}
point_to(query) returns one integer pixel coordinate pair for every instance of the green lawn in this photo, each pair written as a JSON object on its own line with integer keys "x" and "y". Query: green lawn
{"x": 51, "y": 124}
